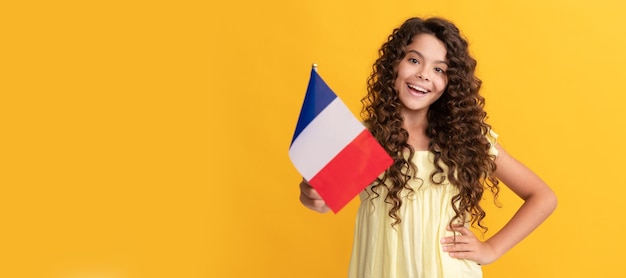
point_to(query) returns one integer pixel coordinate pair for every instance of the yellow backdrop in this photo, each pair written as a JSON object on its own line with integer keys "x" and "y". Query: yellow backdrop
{"x": 149, "y": 138}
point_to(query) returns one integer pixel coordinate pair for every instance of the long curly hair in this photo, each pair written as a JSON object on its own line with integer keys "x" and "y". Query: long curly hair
{"x": 456, "y": 123}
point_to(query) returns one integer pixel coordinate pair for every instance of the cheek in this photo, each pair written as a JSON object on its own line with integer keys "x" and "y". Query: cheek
{"x": 442, "y": 84}
{"x": 397, "y": 82}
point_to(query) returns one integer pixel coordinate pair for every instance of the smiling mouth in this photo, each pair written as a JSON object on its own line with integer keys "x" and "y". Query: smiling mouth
{"x": 417, "y": 89}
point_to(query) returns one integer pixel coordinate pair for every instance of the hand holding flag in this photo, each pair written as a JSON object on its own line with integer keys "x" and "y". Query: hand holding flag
{"x": 331, "y": 149}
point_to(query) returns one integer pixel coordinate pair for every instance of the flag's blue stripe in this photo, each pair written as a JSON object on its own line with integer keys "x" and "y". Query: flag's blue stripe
{"x": 318, "y": 96}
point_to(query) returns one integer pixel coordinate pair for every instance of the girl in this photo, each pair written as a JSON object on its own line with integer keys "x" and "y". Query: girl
{"x": 423, "y": 105}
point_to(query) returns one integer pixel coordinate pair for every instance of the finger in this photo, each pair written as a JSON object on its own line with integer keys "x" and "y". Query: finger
{"x": 305, "y": 183}
{"x": 460, "y": 229}
{"x": 461, "y": 255}
{"x": 453, "y": 227}
{"x": 460, "y": 239}
{"x": 309, "y": 191}
{"x": 455, "y": 240}
{"x": 451, "y": 239}
{"x": 451, "y": 248}
{"x": 314, "y": 204}
{"x": 305, "y": 198}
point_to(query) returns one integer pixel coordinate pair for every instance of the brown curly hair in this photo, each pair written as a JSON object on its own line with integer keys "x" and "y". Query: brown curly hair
{"x": 456, "y": 122}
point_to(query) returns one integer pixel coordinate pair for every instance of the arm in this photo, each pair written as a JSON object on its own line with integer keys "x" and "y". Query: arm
{"x": 539, "y": 203}
{"x": 311, "y": 199}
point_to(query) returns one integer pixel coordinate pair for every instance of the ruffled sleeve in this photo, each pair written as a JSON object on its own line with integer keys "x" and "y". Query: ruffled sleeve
{"x": 492, "y": 137}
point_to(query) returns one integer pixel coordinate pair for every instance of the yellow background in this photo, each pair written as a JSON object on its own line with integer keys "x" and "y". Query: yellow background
{"x": 150, "y": 138}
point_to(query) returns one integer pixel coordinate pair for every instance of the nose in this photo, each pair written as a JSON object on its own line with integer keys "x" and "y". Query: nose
{"x": 421, "y": 74}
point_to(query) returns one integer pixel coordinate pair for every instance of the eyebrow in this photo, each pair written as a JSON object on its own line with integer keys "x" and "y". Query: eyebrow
{"x": 422, "y": 56}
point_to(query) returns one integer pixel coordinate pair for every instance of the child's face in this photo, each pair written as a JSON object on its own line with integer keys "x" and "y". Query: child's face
{"x": 422, "y": 74}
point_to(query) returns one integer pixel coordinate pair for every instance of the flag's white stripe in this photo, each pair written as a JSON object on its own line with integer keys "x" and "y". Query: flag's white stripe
{"x": 332, "y": 129}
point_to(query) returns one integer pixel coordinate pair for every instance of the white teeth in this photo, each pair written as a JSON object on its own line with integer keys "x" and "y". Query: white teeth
{"x": 418, "y": 88}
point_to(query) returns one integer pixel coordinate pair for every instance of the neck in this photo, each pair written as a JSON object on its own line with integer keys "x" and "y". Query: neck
{"x": 416, "y": 125}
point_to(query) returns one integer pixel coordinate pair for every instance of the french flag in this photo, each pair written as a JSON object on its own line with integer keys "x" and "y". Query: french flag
{"x": 332, "y": 150}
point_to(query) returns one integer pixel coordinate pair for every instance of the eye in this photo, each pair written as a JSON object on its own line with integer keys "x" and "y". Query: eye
{"x": 440, "y": 70}
{"x": 414, "y": 61}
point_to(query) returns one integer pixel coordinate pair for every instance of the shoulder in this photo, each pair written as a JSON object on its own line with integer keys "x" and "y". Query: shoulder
{"x": 516, "y": 176}
{"x": 492, "y": 137}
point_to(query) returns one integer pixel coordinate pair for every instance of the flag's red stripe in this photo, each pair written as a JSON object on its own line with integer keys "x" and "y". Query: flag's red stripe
{"x": 351, "y": 171}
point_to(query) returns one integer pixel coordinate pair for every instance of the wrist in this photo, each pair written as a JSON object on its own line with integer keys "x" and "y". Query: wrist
{"x": 494, "y": 252}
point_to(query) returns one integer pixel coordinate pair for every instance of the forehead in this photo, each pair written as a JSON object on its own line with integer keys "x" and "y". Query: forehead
{"x": 428, "y": 45}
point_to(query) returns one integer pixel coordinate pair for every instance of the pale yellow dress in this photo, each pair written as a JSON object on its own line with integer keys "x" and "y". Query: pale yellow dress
{"x": 411, "y": 249}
